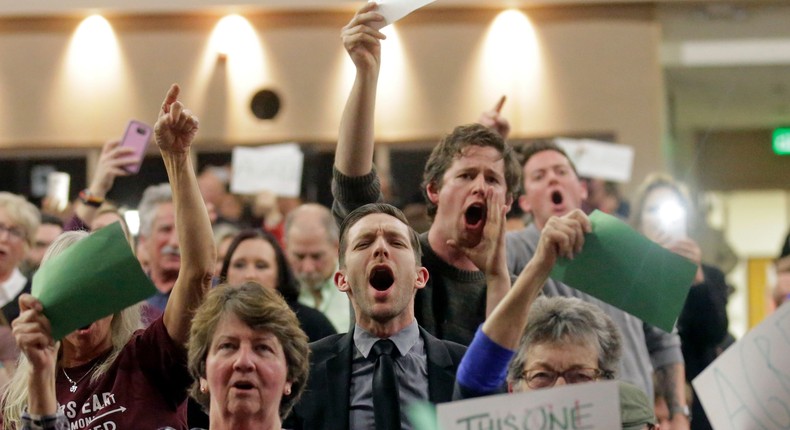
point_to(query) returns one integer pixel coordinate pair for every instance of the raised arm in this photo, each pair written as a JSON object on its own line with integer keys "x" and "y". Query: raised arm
{"x": 484, "y": 366}
{"x": 561, "y": 237}
{"x": 494, "y": 120}
{"x": 175, "y": 129}
{"x": 354, "y": 154}
{"x": 111, "y": 164}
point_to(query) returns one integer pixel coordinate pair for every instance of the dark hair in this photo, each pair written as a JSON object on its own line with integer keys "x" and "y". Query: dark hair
{"x": 370, "y": 209}
{"x": 287, "y": 284}
{"x": 261, "y": 309}
{"x": 453, "y": 145}
{"x": 51, "y": 219}
{"x": 527, "y": 150}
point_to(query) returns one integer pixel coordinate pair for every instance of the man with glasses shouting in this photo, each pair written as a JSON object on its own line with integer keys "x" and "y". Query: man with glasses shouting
{"x": 19, "y": 221}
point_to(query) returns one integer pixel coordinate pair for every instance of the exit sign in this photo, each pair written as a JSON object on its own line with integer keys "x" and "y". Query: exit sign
{"x": 781, "y": 141}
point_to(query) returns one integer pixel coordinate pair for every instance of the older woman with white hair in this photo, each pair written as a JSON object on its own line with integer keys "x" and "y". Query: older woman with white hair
{"x": 109, "y": 374}
{"x": 19, "y": 222}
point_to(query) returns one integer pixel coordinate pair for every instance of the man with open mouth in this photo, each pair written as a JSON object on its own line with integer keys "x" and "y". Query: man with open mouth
{"x": 380, "y": 271}
{"x": 552, "y": 188}
{"x": 469, "y": 182}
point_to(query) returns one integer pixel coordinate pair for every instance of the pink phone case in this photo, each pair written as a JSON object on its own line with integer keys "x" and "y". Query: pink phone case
{"x": 137, "y": 136}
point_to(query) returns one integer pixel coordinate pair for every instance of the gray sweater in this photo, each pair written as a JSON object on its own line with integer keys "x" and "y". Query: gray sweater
{"x": 644, "y": 347}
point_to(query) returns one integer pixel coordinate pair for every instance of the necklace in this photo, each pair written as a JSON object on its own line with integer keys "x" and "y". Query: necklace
{"x": 74, "y": 383}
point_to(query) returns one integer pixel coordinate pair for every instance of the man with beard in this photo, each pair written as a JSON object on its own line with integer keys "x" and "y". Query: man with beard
{"x": 311, "y": 241}
{"x": 553, "y": 189}
{"x": 159, "y": 242}
{"x": 469, "y": 181}
{"x": 380, "y": 272}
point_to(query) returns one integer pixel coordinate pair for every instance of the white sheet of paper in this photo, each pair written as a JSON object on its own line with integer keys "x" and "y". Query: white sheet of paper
{"x": 394, "y": 10}
{"x": 748, "y": 386}
{"x": 277, "y": 168}
{"x": 58, "y": 188}
{"x": 593, "y": 406}
{"x": 597, "y": 159}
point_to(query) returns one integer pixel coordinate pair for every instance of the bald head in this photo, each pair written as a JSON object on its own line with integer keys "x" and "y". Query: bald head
{"x": 311, "y": 238}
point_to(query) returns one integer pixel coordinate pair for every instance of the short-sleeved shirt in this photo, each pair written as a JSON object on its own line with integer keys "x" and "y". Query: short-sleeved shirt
{"x": 144, "y": 388}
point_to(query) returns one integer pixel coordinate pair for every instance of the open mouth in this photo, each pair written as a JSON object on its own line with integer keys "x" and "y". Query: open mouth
{"x": 243, "y": 385}
{"x": 556, "y": 197}
{"x": 474, "y": 214}
{"x": 381, "y": 278}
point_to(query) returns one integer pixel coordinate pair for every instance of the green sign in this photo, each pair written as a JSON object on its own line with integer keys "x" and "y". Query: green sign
{"x": 781, "y": 141}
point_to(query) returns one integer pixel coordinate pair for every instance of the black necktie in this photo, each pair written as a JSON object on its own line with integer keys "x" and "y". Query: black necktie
{"x": 386, "y": 403}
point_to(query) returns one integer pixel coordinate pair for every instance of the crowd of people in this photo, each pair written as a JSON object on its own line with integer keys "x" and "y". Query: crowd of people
{"x": 342, "y": 317}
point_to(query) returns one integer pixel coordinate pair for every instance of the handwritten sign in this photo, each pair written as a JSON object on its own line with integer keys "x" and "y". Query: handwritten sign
{"x": 748, "y": 387}
{"x": 277, "y": 168}
{"x": 598, "y": 159}
{"x": 590, "y": 406}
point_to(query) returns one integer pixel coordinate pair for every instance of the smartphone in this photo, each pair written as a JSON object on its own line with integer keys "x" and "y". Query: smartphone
{"x": 137, "y": 136}
{"x": 58, "y": 188}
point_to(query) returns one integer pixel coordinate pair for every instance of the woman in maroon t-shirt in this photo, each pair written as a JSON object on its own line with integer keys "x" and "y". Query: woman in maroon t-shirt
{"x": 109, "y": 374}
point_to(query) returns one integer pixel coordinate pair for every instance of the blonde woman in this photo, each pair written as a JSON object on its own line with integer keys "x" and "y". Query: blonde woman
{"x": 109, "y": 372}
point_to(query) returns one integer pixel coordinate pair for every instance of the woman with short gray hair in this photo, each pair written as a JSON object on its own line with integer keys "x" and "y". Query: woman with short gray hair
{"x": 569, "y": 328}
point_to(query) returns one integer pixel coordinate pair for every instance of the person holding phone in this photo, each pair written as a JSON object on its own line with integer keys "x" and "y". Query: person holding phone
{"x": 112, "y": 163}
{"x": 662, "y": 210}
{"x": 110, "y": 374}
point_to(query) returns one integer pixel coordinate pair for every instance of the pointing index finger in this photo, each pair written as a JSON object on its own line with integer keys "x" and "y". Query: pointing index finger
{"x": 171, "y": 97}
{"x": 500, "y": 103}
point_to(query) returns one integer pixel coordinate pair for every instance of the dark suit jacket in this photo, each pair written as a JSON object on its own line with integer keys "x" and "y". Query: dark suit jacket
{"x": 11, "y": 309}
{"x": 324, "y": 404}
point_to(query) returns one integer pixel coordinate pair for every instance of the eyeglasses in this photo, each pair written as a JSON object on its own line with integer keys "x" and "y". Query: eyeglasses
{"x": 547, "y": 378}
{"x": 13, "y": 232}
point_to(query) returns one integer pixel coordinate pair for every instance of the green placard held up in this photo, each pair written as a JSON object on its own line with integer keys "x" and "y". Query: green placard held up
{"x": 629, "y": 271}
{"x": 95, "y": 277}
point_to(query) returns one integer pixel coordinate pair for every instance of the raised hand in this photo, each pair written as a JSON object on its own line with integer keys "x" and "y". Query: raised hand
{"x": 176, "y": 127}
{"x": 489, "y": 254}
{"x": 689, "y": 249}
{"x": 562, "y": 237}
{"x": 33, "y": 334}
{"x": 361, "y": 40}
{"x": 111, "y": 164}
{"x": 494, "y": 120}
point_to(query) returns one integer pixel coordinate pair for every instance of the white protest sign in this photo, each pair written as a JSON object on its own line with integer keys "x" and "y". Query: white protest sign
{"x": 394, "y": 10}
{"x": 593, "y": 406}
{"x": 277, "y": 168}
{"x": 597, "y": 159}
{"x": 748, "y": 387}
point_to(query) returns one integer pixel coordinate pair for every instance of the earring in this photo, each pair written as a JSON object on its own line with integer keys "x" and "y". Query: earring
{"x": 203, "y": 387}
{"x": 288, "y": 391}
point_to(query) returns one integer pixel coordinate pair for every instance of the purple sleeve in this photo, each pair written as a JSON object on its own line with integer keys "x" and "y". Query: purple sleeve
{"x": 484, "y": 367}
{"x": 75, "y": 223}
